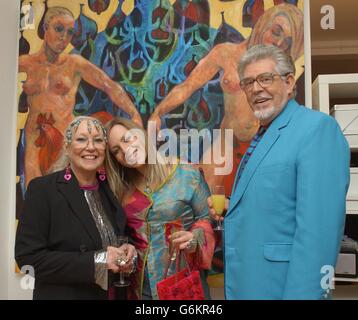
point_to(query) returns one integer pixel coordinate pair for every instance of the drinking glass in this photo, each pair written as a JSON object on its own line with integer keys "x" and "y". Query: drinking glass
{"x": 122, "y": 260}
{"x": 218, "y": 200}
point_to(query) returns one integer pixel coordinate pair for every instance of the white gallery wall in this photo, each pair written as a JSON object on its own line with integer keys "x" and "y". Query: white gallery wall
{"x": 9, "y": 21}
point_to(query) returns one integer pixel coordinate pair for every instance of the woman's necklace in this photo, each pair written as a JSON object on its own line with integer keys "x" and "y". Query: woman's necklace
{"x": 147, "y": 188}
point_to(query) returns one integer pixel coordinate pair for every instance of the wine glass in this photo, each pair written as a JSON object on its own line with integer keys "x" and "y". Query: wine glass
{"x": 121, "y": 261}
{"x": 218, "y": 200}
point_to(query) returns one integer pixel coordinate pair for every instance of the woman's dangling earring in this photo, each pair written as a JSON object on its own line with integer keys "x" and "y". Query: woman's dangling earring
{"x": 102, "y": 174}
{"x": 68, "y": 175}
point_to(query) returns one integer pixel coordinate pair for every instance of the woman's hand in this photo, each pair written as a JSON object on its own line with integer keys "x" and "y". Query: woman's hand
{"x": 212, "y": 211}
{"x": 185, "y": 240}
{"x": 112, "y": 257}
{"x": 131, "y": 258}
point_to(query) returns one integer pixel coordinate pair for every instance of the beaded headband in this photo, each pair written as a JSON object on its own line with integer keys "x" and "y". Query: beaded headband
{"x": 75, "y": 124}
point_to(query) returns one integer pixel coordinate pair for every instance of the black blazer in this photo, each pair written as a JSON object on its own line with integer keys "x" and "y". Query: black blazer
{"x": 57, "y": 235}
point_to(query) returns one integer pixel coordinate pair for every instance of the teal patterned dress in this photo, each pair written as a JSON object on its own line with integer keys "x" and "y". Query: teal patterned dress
{"x": 179, "y": 203}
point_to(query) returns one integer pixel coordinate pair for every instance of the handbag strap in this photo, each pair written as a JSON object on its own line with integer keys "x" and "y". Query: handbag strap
{"x": 176, "y": 255}
{"x": 172, "y": 257}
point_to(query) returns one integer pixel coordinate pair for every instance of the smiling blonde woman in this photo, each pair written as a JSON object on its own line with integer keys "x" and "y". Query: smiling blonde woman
{"x": 165, "y": 204}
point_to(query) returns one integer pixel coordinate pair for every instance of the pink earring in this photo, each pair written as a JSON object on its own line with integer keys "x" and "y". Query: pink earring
{"x": 102, "y": 174}
{"x": 68, "y": 175}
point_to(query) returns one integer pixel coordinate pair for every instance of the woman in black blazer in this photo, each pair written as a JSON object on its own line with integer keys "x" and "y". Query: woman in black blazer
{"x": 69, "y": 226}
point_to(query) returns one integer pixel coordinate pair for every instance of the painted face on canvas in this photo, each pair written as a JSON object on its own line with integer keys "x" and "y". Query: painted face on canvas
{"x": 59, "y": 32}
{"x": 279, "y": 34}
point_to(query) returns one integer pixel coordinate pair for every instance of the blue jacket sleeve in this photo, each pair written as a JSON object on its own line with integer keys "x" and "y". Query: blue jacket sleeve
{"x": 322, "y": 184}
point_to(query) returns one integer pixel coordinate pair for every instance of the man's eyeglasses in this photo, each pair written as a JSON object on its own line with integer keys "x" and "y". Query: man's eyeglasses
{"x": 264, "y": 80}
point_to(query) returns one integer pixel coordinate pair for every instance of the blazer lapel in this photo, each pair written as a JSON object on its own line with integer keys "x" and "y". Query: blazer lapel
{"x": 77, "y": 202}
{"x": 268, "y": 140}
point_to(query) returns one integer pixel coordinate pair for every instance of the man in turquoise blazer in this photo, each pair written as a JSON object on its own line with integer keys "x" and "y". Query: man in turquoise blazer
{"x": 286, "y": 216}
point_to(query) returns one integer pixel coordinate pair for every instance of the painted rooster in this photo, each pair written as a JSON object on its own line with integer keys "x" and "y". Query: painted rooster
{"x": 49, "y": 141}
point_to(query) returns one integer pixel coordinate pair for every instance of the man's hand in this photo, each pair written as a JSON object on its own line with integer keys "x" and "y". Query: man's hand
{"x": 212, "y": 211}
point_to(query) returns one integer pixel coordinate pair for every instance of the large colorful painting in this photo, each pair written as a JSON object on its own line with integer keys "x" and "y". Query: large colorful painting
{"x": 171, "y": 61}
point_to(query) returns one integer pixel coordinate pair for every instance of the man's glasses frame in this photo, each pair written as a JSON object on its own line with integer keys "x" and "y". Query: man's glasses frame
{"x": 265, "y": 80}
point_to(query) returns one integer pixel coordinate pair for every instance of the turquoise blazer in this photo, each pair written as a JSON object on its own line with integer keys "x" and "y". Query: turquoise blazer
{"x": 286, "y": 215}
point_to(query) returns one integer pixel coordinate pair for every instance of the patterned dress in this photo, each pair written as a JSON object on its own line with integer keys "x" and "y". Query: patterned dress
{"x": 179, "y": 203}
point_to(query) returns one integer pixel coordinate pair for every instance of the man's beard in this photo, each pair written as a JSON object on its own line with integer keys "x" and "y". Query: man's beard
{"x": 265, "y": 114}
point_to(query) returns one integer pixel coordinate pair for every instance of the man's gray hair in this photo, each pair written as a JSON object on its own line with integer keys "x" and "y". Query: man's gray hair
{"x": 284, "y": 62}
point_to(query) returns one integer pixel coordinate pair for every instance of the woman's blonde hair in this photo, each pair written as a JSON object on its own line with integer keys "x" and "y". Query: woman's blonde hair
{"x": 293, "y": 15}
{"x": 122, "y": 179}
{"x": 63, "y": 160}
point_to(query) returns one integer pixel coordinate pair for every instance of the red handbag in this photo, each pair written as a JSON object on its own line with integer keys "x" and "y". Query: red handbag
{"x": 183, "y": 285}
